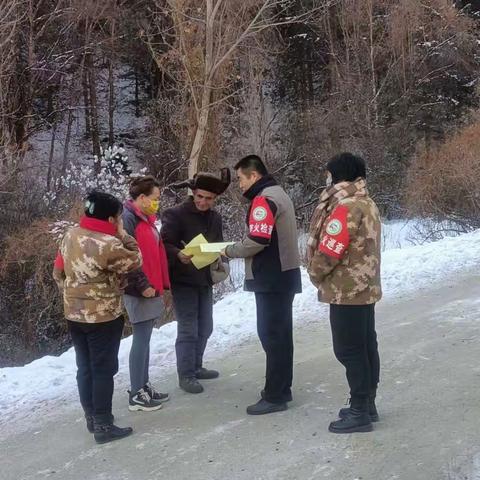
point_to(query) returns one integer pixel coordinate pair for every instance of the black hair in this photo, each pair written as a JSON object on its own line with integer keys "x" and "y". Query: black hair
{"x": 252, "y": 163}
{"x": 101, "y": 205}
{"x": 143, "y": 185}
{"x": 346, "y": 167}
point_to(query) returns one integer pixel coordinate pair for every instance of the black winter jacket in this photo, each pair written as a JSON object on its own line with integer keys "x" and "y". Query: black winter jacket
{"x": 180, "y": 224}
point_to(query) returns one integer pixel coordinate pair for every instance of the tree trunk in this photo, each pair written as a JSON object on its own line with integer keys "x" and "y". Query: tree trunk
{"x": 203, "y": 114}
{"x": 86, "y": 102}
{"x": 137, "y": 101}
{"x": 111, "y": 103}
{"x": 303, "y": 78}
{"x": 111, "y": 88}
{"x": 25, "y": 60}
{"x": 374, "y": 101}
{"x": 93, "y": 108}
{"x": 50, "y": 157}
{"x": 68, "y": 137}
{"x": 200, "y": 133}
{"x": 310, "y": 74}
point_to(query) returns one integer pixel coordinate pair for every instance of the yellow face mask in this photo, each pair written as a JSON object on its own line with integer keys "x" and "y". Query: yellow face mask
{"x": 152, "y": 208}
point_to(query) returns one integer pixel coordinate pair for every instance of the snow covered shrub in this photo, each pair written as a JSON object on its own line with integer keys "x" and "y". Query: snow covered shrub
{"x": 443, "y": 181}
{"x": 113, "y": 177}
{"x": 69, "y": 189}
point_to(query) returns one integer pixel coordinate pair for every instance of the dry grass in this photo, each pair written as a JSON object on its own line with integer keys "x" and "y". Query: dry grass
{"x": 444, "y": 181}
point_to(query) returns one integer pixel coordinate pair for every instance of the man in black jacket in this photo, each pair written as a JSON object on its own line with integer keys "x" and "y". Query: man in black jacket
{"x": 272, "y": 271}
{"x": 192, "y": 288}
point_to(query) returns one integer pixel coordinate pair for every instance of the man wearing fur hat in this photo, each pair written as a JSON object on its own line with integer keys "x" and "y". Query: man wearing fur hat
{"x": 192, "y": 288}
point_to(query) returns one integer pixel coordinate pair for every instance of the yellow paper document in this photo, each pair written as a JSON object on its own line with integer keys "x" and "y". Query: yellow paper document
{"x": 204, "y": 253}
{"x": 215, "y": 247}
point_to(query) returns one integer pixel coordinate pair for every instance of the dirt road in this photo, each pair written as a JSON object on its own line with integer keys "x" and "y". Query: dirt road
{"x": 429, "y": 404}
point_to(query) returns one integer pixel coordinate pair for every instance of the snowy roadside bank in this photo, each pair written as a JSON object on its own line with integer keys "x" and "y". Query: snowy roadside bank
{"x": 405, "y": 271}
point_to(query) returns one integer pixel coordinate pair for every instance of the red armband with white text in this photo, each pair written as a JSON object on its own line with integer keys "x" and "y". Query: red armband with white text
{"x": 336, "y": 238}
{"x": 261, "y": 220}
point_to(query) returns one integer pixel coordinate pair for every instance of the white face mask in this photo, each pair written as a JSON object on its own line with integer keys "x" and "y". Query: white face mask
{"x": 329, "y": 180}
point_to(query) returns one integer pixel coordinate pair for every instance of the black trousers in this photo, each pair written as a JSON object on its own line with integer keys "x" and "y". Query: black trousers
{"x": 96, "y": 349}
{"x": 355, "y": 346}
{"x": 274, "y": 326}
{"x": 194, "y": 313}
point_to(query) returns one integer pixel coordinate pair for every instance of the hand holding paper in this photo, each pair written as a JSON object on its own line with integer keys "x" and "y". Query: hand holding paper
{"x": 217, "y": 247}
{"x": 202, "y": 252}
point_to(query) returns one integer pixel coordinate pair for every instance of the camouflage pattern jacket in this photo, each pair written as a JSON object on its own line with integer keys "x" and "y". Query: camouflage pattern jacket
{"x": 90, "y": 269}
{"x": 346, "y": 264}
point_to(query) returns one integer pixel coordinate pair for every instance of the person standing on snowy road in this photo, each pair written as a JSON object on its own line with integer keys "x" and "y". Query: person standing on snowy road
{"x": 144, "y": 292}
{"x": 272, "y": 272}
{"x": 89, "y": 269}
{"x": 192, "y": 290}
{"x": 343, "y": 254}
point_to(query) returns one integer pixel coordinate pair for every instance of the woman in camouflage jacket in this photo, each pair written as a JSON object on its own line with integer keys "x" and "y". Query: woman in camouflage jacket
{"x": 89, "y": 270}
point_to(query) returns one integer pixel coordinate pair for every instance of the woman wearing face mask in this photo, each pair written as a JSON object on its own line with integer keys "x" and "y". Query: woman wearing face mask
{"x": 143, "y": 295}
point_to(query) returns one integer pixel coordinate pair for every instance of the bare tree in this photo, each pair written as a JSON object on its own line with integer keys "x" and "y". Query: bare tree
{"x": 204, "y": 39}
{"x": 9, "y": 28}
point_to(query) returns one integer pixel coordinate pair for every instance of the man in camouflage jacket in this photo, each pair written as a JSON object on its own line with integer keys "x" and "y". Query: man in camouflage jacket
{"x": 343, "y": 254}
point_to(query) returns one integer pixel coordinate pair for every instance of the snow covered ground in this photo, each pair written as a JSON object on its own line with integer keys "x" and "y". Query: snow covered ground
{"x": 405, "y": 271}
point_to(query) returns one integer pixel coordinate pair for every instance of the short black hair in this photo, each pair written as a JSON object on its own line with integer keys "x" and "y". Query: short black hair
{"x": 101, "y": 205}
{"x": 252, "y": 163}
{"x": 346, "y": 167}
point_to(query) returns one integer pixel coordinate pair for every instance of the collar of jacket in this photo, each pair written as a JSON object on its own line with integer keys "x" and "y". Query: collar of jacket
{"x": 96, "y": 225}
{"x": 130, "y": 205}
{"x": 259, "y": 185}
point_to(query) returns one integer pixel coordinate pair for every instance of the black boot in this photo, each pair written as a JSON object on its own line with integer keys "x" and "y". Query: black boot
{"x": 89, "y": 419}
{"x": 356, "y": 420}
{"x": 190, "y": 385}
{"x": 262, "y": 407}
{"x": 105, "y": 431}
{"x": 205, "y": 374}
{"x": 372, "y": 409}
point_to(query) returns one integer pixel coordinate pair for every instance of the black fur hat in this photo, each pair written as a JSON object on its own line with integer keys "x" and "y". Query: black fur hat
{"x": 207, "y": 181}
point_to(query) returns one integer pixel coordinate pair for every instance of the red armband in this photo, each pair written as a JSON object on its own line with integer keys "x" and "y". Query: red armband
{"x": 336, "y": 238}
{"x": 59, "y": 264}
{"x": 261, "y": 220}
